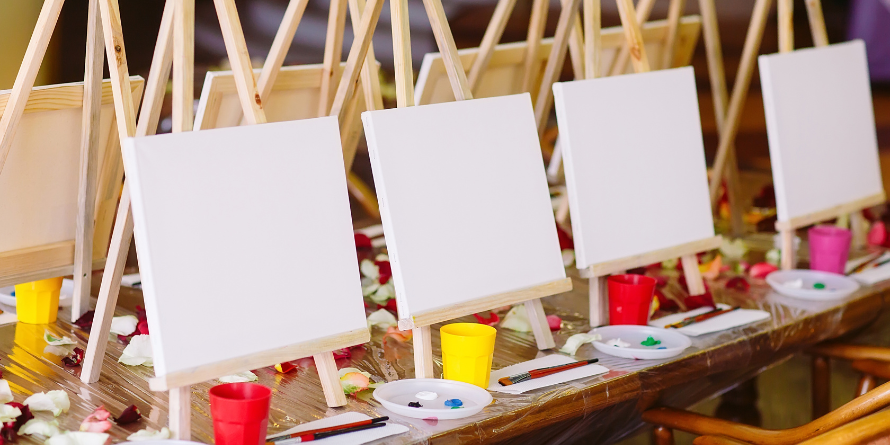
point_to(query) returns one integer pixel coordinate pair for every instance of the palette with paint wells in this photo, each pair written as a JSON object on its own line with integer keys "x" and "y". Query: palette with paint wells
{"x": 432, "y": 398}
{"x": 640, "y": 342}
{"x": 811, "y": 284}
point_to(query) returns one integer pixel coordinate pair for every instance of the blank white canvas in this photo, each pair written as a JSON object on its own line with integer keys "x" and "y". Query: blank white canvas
{"x": 245, "y": 240}
{"x": 821, "y": 128}
{"x": 634, "y": 163}
{"x": 464, "y": 200}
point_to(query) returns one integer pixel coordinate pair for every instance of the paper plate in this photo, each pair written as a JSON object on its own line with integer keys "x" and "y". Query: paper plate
{"x": 396, "y": 395}
{"x": 7, "y": 298}
{"x": 836, "y": 286}
{"x": 672, "y": 342}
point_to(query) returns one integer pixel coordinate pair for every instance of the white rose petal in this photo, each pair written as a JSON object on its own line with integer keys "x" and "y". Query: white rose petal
{"x": 40, "y": 428}
{"x": 381, "y": 257}
{"x": 344, "y": 371}
{"x": 382, "y": 318}
{"x": 568, "y": 257}
{"x": 138, "y": 352}
{"x": 55, "y": 401}
{"x": 78, "y": 438}
{"x": 55, "y": 341}
{"x": 5, "y": 392}
{"x": 61, "y": 351}
{"x": 9, "y": 413}
{"x": 517, "y": 319}
{"x": 150, "y": 434}
{"x": 574, "y": 342}
{"x": 383, "y": 293}
{"x": 369, "y": 269}
{"x": 245, "y": 376}
{"x": 124, "y": 325}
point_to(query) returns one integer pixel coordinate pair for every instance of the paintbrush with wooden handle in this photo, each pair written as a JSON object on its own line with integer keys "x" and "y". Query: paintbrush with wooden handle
{"x": 542, "y": 372}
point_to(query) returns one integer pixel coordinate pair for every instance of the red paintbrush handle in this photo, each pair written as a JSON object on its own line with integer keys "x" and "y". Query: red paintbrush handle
{"x": 544, "y": 372}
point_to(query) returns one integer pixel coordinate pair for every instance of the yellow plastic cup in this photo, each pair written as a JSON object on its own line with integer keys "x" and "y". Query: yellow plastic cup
{"x": 467, "y": 350}
{"x": 37, "y": 302}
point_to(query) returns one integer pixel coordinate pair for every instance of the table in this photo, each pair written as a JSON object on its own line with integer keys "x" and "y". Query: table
{"x": 600, "y": 409}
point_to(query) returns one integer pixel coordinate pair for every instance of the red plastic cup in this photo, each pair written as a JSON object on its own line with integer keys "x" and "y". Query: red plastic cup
{"x": 829, "y": 248}
{"x": 630, "y": 297}
{"x": 240, "y": 413}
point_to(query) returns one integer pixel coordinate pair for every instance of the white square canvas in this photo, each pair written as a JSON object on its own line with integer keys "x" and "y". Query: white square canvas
{"x": 245, "y": 240}
{"x": 634, "y": 163}
{"x": 821, "y": 128}
{"x": 464, "y": 200}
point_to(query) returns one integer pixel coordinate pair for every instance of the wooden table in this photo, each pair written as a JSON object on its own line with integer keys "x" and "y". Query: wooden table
{"x": 600, "y": 409}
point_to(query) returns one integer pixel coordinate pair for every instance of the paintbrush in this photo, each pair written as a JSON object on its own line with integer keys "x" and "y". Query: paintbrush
{"x": 327, "y": 429}
{"x": 700, "y": 317}
{"x": 309, "y": 437}
{"x": 542, "y": 372}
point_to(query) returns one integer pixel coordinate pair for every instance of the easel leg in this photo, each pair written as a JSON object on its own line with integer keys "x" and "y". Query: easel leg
{"x": 599, "y": 302}
{"x": 694, "y": 280}
{"x": 181, "y": 412}
{"x": 859, "y": 227}
{"x": 330, "y": 379}
{"x": 789, "y": 256}
{"x": 111, "y": 284}
{"x": 538, "y": 319}
{"x": 423, "y": 353}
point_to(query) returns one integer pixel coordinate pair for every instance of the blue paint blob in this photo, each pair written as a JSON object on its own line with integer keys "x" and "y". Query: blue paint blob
{"x": 455, "y": 403}
{"x": 661, "y": 347}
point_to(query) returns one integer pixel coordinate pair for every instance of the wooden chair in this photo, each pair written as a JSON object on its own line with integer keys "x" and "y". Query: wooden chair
{"x": 719, "y": 431}
{"x": 873, "y": 429}
{"x": 872, "y": 361}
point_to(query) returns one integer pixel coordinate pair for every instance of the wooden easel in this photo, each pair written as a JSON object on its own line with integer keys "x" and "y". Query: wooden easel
{"x": 686, "y": 252}
{"x": 176, "y": 44}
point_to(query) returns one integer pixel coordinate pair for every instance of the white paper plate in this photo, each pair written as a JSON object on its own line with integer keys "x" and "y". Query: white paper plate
{"x": 7, "y": 298}
{"x": 672, "y": 342}
{"x": 396, "y": 395}
{"x": 836, "y": 286}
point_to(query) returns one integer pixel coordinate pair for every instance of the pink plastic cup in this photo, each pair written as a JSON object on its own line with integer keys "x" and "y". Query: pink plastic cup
{"x": 829, "y": 248}
{"x": 630, "y": 297}
{"x": 240, "y": 413}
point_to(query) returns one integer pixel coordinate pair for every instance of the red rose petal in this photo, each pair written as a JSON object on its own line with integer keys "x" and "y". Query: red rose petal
{"x": 738, "y": 283}
{"x": 140, "y": 313}
{"x": 665, "y": 303}
{"x": 75, "y": 359}
{"x": 25, "y": 416}
{"x": 142, "y": 327}
{"x": 697, "y": 301}
{"x": 491, "y": 320}
{"x": 877, "y": 235}
{"x": 85, "y": 321}
{"x": 384, "y": 270}
{"x": 285, "y": 367}
{"x": 129, "y": 415}
{"x": 391, "y": 306}
{"x": 342, "y": 353}
{"x": 565, "y": 241}
{"x": 362, "y": 241}
{"x": 555, "y": 322}
{"x": 761, "y": 270}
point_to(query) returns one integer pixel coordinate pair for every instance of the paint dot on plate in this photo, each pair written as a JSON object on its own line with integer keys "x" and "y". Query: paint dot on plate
{"x": 650, "y": 341}
{"x": 415, "y": 405}
{"x": 818, "y": 285}
{"x": 454, "y": 402}
{"x": 456, "y": 407}
{"x": 661, "y": 347}
{"x": 426, "y": 395}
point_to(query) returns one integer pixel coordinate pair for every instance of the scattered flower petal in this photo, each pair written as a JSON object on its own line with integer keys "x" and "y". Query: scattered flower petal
{"x": 354, "y": 380}
{"x": 61, "y": 351}
{"x": 50, "y": 339}
{"x": 491, "y": 319}
{"x": 574, "y": 342}
{"x": 78, "y": 438}
{"x": 97, "y": 422}
{"x": 665, "y": 303}
{"x": 75, "y": 359}
{"x": 711, "y": 270}
{"x": 362, "y": 241}
{"x": 733, "y": 250}
{"x": 40, "y": 428}
{"x": 55, "y": 401}
{"x": 241, "y": 377}
{"x": 382, "y": 318}
{"x": 774, "y": 257}
{"x": 568, "y": 257}
{"x": 85, "y": 321}
{"x": 5, "y": 392}
{"x": 150, "y": 434}
{"x": 342, "y": 353}
{"x": 124, "y": 325}
{"x": 738, "y": 283}
{"x": 877, "y": 234}
{"x": 369, "y": 269}
{"x": 142, "y": 327}
{"x": 565, "y": 240}
{"x": 285, "y": 367}
{"x": 398, "y": 335}
{"x": 129, "y": 415}
{"x": 697, "y": 301}
{"x": 9, "y": 413}
{"x": 761, "y": 270}
{"x": 390, "y": 305}
{"x": 138, "y": 352}
{"x": 555, "y": 322}
{"x": 384, "y": 271}
{"x": 670, "y": 264}
{"x": 517, "y": 319}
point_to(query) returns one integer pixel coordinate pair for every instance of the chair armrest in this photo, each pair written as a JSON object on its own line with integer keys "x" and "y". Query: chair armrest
{"x": 850, "y": 352}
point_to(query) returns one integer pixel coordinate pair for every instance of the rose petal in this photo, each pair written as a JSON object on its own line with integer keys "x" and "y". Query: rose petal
{"x": 40, "y": 428}
{"x": 761, "y": 270}
{"x": 342, "y": 353}
{"x": 491, "y": 319}
{"x": 574, "y": 342}
{"x": 774, "y": 257}
{"x": 390, "y": 305}
{"x": 54, "y": 341}
{"x": 712, "y": 269}
{"x": 241, "y": 377}
{"x": 9, "y": 413}
{"x": 738, "y": 283}
{"x": 85, "y": 321}
{"x": 565, "y": 240}
{"x": 354, "y": 382}
{"x": 697, "y": 301}
{"x": 383, "y": 293}
{"x": 5, "y": 392}
{"x": 398, "y": 335}
{"x": 55, "y": 401}
{"x": 384, "y": 270}
{"x": 129, "y": 415}
{"x": 382, "y": 318}
{"x": 734, "y": 249}
{"x": 568, "y": 257}
{"x": 150, "y": 434}
{"x": 877, "y": 234}
{"x": 24, "y": 417}
{"x": 75, "y": 359}
{"x": 362, "y": 241}
{"x": 78, "y": 438}
{"x": 124, "y": 325}
{"x": 285, "y": 367}
{"x": 517, "y": 319}
{"x": 555, "y": 322}
{"x": 369, "y": 269}
{"x": 665, "y": 303}
{"x": 142, "y": 327}
{"x": 138, "y": 352}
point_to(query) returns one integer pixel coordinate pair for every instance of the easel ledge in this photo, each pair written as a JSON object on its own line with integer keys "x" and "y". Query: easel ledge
{"x": 260, "y": 360}
{"x": 832, "y": 212}
{"x": 656, "y": 256}
{"x": 482, "y": 304}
